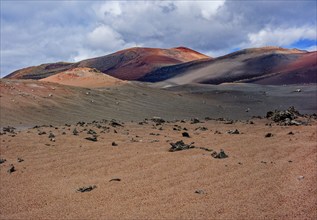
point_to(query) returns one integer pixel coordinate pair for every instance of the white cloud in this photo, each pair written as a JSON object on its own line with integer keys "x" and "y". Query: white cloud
{"x": 35, "y": 32}
{"x": 110, "y": 8}
{"x": 311, "y": 48}
{"x": 280, "y": 36}
{"x": 209, "y": 9}
{"x": 105, "y": 37}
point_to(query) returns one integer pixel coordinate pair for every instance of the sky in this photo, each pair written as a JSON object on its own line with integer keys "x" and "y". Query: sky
{"x": 39, "y": 31}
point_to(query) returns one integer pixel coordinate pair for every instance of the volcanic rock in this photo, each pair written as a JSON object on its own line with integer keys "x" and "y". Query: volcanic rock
{"x": 220, "y": 155}
{"x": 86, "y": 188}
{"x": 180, "y": 145}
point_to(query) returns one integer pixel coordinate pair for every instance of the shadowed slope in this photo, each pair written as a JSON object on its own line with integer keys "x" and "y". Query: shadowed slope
{"x": 40, "y": 72}
{"x": 275, "y": 65}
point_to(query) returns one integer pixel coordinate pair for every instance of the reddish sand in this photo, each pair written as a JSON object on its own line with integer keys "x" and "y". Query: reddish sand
{"x": 83, "y": 77}
{"x": 263, "y": 178}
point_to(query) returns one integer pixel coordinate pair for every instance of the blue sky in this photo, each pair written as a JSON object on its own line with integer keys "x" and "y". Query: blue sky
{"x": 35, "y": 32}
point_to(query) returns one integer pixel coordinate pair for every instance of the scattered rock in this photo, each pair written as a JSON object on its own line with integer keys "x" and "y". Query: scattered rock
{"x": 194, "y": 121}
{"x": 9, "y": 129}
{"x": 158, "y": 120}
{"x": 185, "y": 134}
{"x": 290, "y": 161}
{"x": 228, "y": 122}
{"x": 263, "y": 162}
{"x": 41, "y": 133}
{"x": 284, "y": 117}
{"x": 201, "y": 129}
{"x": 75, "y": 132}
{"x": 155, "y": 134}
{"x": 233, "y": 131}
{"x": 114, "y": 144}
{"x": 51, "y": 135}
{"x": 293, "y": 122}
{"x": 86, "y": 188}
{"x": 20, "y": 160}
{"x": 81, "y": 123}
{"x": 90, "y": 131}
{"x": 115, "y": 179}
{"x": 153, "y": 141}
{"x": 220, "y": 155}
{"x": 290, "y": 133}
{"x": 300, "y": 177}
{"x": 180, "y": 145}
{"x": 177, "y": 128}
{"x": 134, "y": 140}
{"x": 217, "y": 132}
{"x": 11, "y": 169}
{"x": 269, "y": 135}
{"x": 199, "y": 191}
{"x": 206, "y": 149}
{"x": 143, "y": 122}
{"x": 93, "y": 138}
{"x": 114, "y": 124}
{"x": 2, "y": 160}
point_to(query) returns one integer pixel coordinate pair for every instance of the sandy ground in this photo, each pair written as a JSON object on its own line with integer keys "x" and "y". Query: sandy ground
{"x": 263, "y": 177}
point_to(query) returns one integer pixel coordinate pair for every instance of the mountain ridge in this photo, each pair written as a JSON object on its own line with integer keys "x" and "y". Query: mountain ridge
{"x": 182, "y": 65}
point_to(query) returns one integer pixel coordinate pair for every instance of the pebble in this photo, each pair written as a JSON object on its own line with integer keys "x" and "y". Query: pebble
{"x": 300, "y": 177}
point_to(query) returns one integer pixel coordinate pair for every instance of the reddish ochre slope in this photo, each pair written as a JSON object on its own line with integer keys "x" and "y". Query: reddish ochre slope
{"x": 83, "y": 77}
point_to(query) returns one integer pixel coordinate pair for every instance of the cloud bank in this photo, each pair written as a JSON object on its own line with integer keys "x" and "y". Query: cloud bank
{"x": 35, "y": 32}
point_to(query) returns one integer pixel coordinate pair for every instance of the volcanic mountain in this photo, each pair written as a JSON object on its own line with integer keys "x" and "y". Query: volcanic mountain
{"x": 129, "y": 64}
{"x": 267, "y": 65}
{"x": 179, "y": 66}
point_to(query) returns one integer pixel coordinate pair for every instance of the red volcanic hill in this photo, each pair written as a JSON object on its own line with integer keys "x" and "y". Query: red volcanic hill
{"x": 179, "y": 66}
{"x": 267, "y": 65}
{"x": 129, "y": 64}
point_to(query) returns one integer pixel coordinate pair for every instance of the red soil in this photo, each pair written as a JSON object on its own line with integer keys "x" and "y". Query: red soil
{"x": 83, "y": 77}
